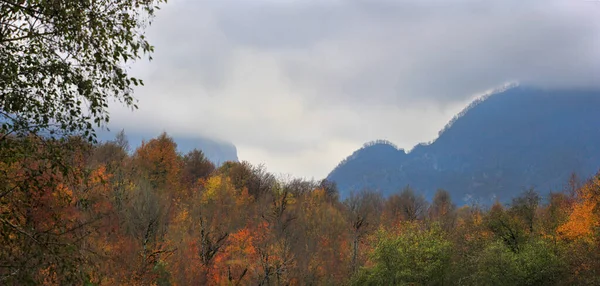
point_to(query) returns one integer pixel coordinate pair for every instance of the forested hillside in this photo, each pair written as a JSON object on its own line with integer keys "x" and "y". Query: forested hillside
{"x": 158, "y": 217}
{"x": 508, "y": 142}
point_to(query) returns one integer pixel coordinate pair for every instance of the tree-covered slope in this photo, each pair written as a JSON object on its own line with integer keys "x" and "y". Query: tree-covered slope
{"x": 515, "y": 139}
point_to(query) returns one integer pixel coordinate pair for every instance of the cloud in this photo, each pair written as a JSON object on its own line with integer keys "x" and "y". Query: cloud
{"x": 298, "y": 85}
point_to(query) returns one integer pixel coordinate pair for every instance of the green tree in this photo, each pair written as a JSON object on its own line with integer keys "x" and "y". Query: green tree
{"x": 416, "y": 257}
{"x": 507, "y": 227}
{"x": 536, "y": 264}
{"x": 62, "y": 61}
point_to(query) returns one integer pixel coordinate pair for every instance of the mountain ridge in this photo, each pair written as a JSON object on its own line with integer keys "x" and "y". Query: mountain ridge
{"x": 496, "y": 147}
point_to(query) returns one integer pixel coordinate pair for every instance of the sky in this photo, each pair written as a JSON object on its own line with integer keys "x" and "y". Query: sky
{"x": 298, "y": 85}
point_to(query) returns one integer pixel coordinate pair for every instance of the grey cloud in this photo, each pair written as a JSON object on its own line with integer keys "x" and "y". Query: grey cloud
{"x": 392, "y": 50}
{"x": 400, "y": 50}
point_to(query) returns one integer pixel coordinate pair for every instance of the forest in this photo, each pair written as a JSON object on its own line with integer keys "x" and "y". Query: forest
{"x": 107, "y": 215}
{"x": 77, "y": 211}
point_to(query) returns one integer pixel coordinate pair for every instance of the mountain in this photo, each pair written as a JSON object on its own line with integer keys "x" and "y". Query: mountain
{"x": 500, "y": 145}
{"x": 216, "y": 151}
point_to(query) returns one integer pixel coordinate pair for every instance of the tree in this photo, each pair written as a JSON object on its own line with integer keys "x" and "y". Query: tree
{"x": 243, "y": 175}
{"x": 322, "y": 250}
{"x": 49, "y": 218}
{"x": 330, "y": 188}
{"x": 146, "y": 219}
{"x": 406, "y": 206}
{"x": 506, "y": 227}
{"x": 554, "y": 214}
{"x": 111, "y": 153}
{"x": 277, "y": 238}
{"x": 157, "y": 160}
{"x": 442, "y": 209}
{"x": 583, "y": 221}
{"x": 201, "y": 229}
{"x": 299, "y": 187}
{"x": 195, "y": 166}
{"x": 363, "y": 216}
{"x": 525, "y": 207}
{"x": 469, "y": 236}
{"x": 62, "y": 61}
{"x": 415, "y": 257}
{"x": 581, "y": 232}
{"x": 535, "y": 264}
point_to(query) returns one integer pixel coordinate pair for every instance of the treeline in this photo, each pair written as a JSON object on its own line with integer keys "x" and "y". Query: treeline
{"x": 99, "y": 214}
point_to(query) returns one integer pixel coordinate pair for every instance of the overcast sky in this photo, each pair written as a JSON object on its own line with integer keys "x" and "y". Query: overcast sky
{"x": 300, "y": 84}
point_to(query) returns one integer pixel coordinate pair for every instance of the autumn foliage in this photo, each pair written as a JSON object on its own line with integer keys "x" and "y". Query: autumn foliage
{"x": 103, "y": 215}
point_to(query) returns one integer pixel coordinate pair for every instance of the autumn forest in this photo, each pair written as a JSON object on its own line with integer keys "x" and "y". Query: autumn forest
{"x": 153, "y": 216}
